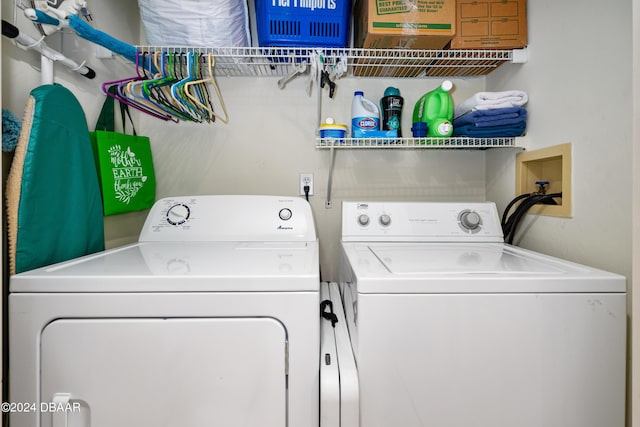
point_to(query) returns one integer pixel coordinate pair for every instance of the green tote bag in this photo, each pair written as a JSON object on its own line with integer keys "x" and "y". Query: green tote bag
{"x": 124, "y": 164}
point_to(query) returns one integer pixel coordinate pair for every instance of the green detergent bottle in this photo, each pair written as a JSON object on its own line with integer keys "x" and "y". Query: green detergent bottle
{"x": 435, "y": 108}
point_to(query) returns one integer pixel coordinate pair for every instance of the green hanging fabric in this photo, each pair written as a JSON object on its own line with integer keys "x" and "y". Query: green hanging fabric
{"x": 54, "y": 208}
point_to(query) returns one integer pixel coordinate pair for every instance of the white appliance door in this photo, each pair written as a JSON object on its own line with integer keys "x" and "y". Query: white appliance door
{"x": 493, "y": 360}
{"x": 187, "y": 372}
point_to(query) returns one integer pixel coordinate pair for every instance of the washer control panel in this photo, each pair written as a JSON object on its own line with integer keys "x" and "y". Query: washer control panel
{"x": 420, "y": 221}
{"x": 229, "y": 218}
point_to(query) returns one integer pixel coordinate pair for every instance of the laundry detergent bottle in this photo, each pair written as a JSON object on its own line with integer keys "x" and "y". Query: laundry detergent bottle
{"x": 391, "y": 110}
{"x": 365, "y": 115}
{"x": 435, "y": 108}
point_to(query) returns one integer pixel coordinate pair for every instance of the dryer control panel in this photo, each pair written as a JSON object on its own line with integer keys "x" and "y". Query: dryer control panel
{"x": 229, "y": 218}
{"x": 421, "y": 222}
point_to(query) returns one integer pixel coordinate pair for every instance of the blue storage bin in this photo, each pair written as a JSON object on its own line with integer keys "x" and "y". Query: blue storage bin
{"x": 317, "y": 23}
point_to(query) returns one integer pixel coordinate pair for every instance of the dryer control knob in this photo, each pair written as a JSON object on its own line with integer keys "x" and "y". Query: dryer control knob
{"x": 178, "y": 214}
{"x": 470, "y": 220}
{"x": 363, "y": 219}
{"x": 285, "y": 214}
{"x": 385, "y": 219}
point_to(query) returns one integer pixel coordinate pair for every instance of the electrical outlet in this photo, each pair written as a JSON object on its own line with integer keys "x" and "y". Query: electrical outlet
{"x": 306, "y": 179}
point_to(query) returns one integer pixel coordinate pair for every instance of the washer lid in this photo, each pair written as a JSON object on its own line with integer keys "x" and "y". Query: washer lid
{"x": 459, "y": 259}
{"x": 469, "y": 267}
{"x": 182, "y": 267}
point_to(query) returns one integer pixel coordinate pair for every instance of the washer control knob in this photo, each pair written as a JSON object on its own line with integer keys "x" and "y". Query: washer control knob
{"x": 363, "y": 219}
{"x": 285, "y": 214}
{"x": 470, "y": 220}
{"x": 385, "y": 220}
{"x": 178, "y": 214}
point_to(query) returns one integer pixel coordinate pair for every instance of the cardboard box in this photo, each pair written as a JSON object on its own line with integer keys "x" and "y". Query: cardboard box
{"x": 404, "y": 24}
{"x": 401, "y": 24}
{"x": 490, "y": 24}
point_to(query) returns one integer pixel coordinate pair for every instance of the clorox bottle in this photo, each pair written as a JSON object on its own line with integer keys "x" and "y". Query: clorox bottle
{"x": 365, "y": 115}
{"x": 435, "y": 108}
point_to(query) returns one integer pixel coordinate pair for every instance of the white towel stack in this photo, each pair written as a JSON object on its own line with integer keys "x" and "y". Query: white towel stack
{"x": 491, "y": 100}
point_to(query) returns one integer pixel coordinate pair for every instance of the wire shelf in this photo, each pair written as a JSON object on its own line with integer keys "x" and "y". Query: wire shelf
{"x": 417, "y": 143}
{"x": 279, "y": 61}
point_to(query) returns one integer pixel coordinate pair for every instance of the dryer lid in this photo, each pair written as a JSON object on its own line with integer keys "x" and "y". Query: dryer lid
{"x": 182, "y": 267}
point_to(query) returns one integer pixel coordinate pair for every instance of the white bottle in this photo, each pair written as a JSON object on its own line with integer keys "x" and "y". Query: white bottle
{"x": 365, "y": 115}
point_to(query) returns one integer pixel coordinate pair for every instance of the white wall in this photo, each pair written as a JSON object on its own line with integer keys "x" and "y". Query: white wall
{"x": 579, "y": 80}
{"x": 579, "y": 92}
{"x": 271, "y": 139}
{"x": 634, "y": 384}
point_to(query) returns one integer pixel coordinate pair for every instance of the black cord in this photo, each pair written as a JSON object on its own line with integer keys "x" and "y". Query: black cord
{"x": 306, "y": 192}
{"x": 510, "y": 226}
{"x": 523, "y": 208}
{"x": 525, "y": 205}
{"x": 510, "y": 205}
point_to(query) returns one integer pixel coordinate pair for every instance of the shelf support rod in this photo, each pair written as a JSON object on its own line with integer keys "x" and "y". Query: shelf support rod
{"x": 319, "y": 106}
{"x": 332, "y": 161}
{"x": 318, "y": 66}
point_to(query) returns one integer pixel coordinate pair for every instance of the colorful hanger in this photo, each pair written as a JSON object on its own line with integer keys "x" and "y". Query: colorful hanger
{"x": 211, "y": 79}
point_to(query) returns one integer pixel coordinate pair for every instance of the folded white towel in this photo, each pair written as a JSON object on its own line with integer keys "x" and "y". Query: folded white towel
{"x": 491, "y": 100}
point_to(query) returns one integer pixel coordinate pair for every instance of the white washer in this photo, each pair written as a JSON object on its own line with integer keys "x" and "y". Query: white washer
{"x": 210, "y": 319}
{"x": 452, "y": 327}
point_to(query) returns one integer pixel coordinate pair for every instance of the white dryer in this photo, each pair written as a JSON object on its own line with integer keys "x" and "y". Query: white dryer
{"x": 210, "y": 319}
{"x": 452, "y": 327}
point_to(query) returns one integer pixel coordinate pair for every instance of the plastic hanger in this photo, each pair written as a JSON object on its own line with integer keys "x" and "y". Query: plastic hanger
{"x": 128, "y": 90}
{"x": 199, "y": 87}
{"x": 195, "y": 91}
{"x": 140, "y": 92}
{"x": 177, "y": 91}
{"x": 201, "y": 100}
{"x": 211, "y": 79}
{"x": 118, "y": 95}
{"x": 158, "y": 90}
